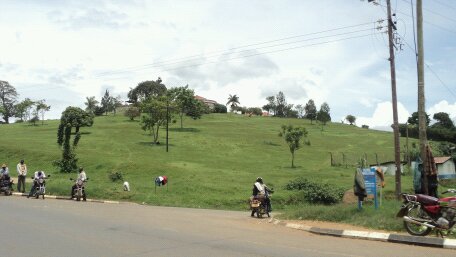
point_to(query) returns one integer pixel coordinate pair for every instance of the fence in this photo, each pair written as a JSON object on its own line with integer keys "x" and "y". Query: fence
{"x": 350, "y": 159}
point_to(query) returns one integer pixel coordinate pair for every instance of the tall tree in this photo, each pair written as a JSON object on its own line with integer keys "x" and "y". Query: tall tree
{"x": 106, "y": 102}
{"x": 351, "y": 119}
{"x": 443, "y": 120}
{"x": 300, "y": 110}
{"x": 155, "y": 115}
{"x": 270, "y": 106}
{"x": 185, "y": 102}
{"x": 281, "y": 104}
{"x": 293, "y": 136}
{"x": 145, "y": 90}
{"x": 23, "y": 109}
{"x": 413, "y": 120}
{"x": 91, "y": 103}
{"x": 71, "y": 117}
{"x": 311, "y": 111}
{"x": 323, "y": 114}
{"x": 233, "y": 101}
{"x": 8, "y": 98}
{"x": 41, "y": 108}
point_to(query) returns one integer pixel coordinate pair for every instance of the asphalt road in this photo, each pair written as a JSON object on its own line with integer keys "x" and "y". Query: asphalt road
{"x": 31, "y": 227}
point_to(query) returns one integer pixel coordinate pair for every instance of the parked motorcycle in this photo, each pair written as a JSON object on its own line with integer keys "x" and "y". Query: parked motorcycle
{"x": 423, "y": 213}
{"x": 6, "y": 185}
{"x": 79, "y": 189}
{"x": 40, "y": 189}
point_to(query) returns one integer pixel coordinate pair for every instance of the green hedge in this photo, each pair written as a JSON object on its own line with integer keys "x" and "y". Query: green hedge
{"x": 315, "y": 192}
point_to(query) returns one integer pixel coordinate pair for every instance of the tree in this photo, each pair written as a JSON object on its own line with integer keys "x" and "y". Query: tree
{"x": 351, "y": 119}
{"x": 23, "y": 109}
{"x": 71, "y": 117}
{"x": 91, "y": 104}
{"x": 41, "y": 108}
{"x": 132, "y": 112}
{"x": 145, "y": 90}
{"x": 155, "y": 115}
{"x": 114, "y": 103}
{"x": 311, "y": 111}
{"x": 185, "y": 102}
{"x": 413, "y": 120}
{"x": 443, "y": 121}
{"x": 270, "y": 106}
{"x": 323, "y": 115}
{"x": 8, "y": 98}
{"x": 219, "y": 108}
{"x": 293, "y": 136}
{"x": 280, "y": 105}
{"x": 233, "y": 101}
{"x": 76, "y": 118}
{"x": 106, "y": 102}
{"x": 300, "y": 110}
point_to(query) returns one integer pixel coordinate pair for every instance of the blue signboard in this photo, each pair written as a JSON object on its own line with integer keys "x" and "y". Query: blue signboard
{"x": 370, "y": 182}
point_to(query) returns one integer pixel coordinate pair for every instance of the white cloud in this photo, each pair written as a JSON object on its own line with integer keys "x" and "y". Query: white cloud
{"x": 382, "y": 118}
{"x": 443, "y": 106}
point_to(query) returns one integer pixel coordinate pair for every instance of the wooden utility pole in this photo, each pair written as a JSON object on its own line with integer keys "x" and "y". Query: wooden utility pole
{"x": 397, "y": 152}
{"x": 421, "y": 99}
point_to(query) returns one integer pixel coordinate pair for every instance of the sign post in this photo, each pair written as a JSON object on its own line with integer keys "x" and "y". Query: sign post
{"x": 370, "y": 181}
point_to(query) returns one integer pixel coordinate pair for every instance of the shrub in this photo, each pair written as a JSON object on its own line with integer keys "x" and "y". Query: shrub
{"x": 115, "y": 176}
{"x": 315, "y": 192}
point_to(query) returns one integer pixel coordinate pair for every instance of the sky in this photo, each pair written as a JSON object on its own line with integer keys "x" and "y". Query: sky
{"x": 330, "y": 51}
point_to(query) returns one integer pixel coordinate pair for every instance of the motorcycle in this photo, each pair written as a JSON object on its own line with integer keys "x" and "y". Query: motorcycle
{"x": 6, "y": 185}
{"x": 79, "y": 190}
{"x": 423, "y": 213}
{"x": 40, "y": 189}
{"x": 259, "y": 205}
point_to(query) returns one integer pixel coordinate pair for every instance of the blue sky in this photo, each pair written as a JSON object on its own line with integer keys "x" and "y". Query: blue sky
{"x": 328, "y": 51}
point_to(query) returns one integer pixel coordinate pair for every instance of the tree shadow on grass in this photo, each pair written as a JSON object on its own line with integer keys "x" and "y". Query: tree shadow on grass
{"x": 184, "y": 130}
{"x": 152, "y": 144}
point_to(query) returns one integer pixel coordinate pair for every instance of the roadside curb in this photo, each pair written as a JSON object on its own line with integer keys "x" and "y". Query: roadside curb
{"x": 67, "y": 198}
{"x": 375, "y": 236}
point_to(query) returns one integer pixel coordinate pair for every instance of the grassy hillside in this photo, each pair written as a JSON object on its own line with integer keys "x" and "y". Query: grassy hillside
{"x": 211, "y": 163}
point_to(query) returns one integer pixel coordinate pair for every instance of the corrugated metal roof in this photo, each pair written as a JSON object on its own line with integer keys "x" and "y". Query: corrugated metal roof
{"x": 440, "y": 160}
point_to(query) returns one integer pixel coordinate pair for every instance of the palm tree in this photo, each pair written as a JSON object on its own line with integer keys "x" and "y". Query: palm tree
{"x": 233, "y": 100}
{"x": 91, "y": 104}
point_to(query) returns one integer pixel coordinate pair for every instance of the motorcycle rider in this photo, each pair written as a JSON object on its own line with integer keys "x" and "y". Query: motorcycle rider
{"x": 261, "y": 191}
{"x": 82, "y": 177}
{"x": 4, "y": 170}
{"x": 36, "y": 177}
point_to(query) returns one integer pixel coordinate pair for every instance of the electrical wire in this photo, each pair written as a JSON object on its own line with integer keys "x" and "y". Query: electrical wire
{"x": 249, "y": 45}
{"x": 148, "y": 66}
{"x": 433, "y": 72}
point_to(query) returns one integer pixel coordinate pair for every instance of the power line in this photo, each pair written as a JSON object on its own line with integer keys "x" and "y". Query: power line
{"x": 433, "y": 72}
{"x": 262, "y": 53}
{"x": 229, "y": 51}
{"x": 436, "y": 13}
{"x": 427, "y": 22}
{"x": 446, "y": 5}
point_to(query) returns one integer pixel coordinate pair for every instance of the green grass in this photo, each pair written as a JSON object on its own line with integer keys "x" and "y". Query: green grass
{"x": 211, "y": 163}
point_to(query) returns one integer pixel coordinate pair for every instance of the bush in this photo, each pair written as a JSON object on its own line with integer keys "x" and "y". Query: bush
{"x": 314, "y": 192}
{"x": 115, "y": 176}
{"x": 219, "y": 108}
{"x": 132, "y": 112}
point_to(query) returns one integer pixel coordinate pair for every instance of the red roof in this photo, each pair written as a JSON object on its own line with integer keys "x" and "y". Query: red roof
{"x": 440, "y": 160}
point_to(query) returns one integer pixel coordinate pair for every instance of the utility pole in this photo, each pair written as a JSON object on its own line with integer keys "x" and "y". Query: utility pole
{"x": 397, "y": 153}
{"x": 421, "y": 103}
{"x": 167, "y": 121}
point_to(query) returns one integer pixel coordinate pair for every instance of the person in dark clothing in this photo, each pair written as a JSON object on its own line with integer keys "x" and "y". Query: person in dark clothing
{"x": 261, "y": 191}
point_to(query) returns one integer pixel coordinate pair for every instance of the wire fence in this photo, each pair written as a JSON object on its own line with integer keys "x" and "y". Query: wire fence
{"x": 350, "y": 159}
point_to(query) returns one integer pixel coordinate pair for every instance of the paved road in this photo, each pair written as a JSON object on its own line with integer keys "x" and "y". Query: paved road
{"x": 31, "y": 227}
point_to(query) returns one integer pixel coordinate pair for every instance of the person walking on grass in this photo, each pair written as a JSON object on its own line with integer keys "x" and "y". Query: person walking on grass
{"x": 22, "y": 173}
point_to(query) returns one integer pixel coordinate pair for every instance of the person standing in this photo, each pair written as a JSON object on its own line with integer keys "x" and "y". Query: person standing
{"x": 22, "y": 173}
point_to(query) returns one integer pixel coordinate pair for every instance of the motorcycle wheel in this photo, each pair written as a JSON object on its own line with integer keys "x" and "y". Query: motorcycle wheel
{"x": 415, "y": 212}
{"x": 258, "y": 214}
{"x": 78, "y": 198}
